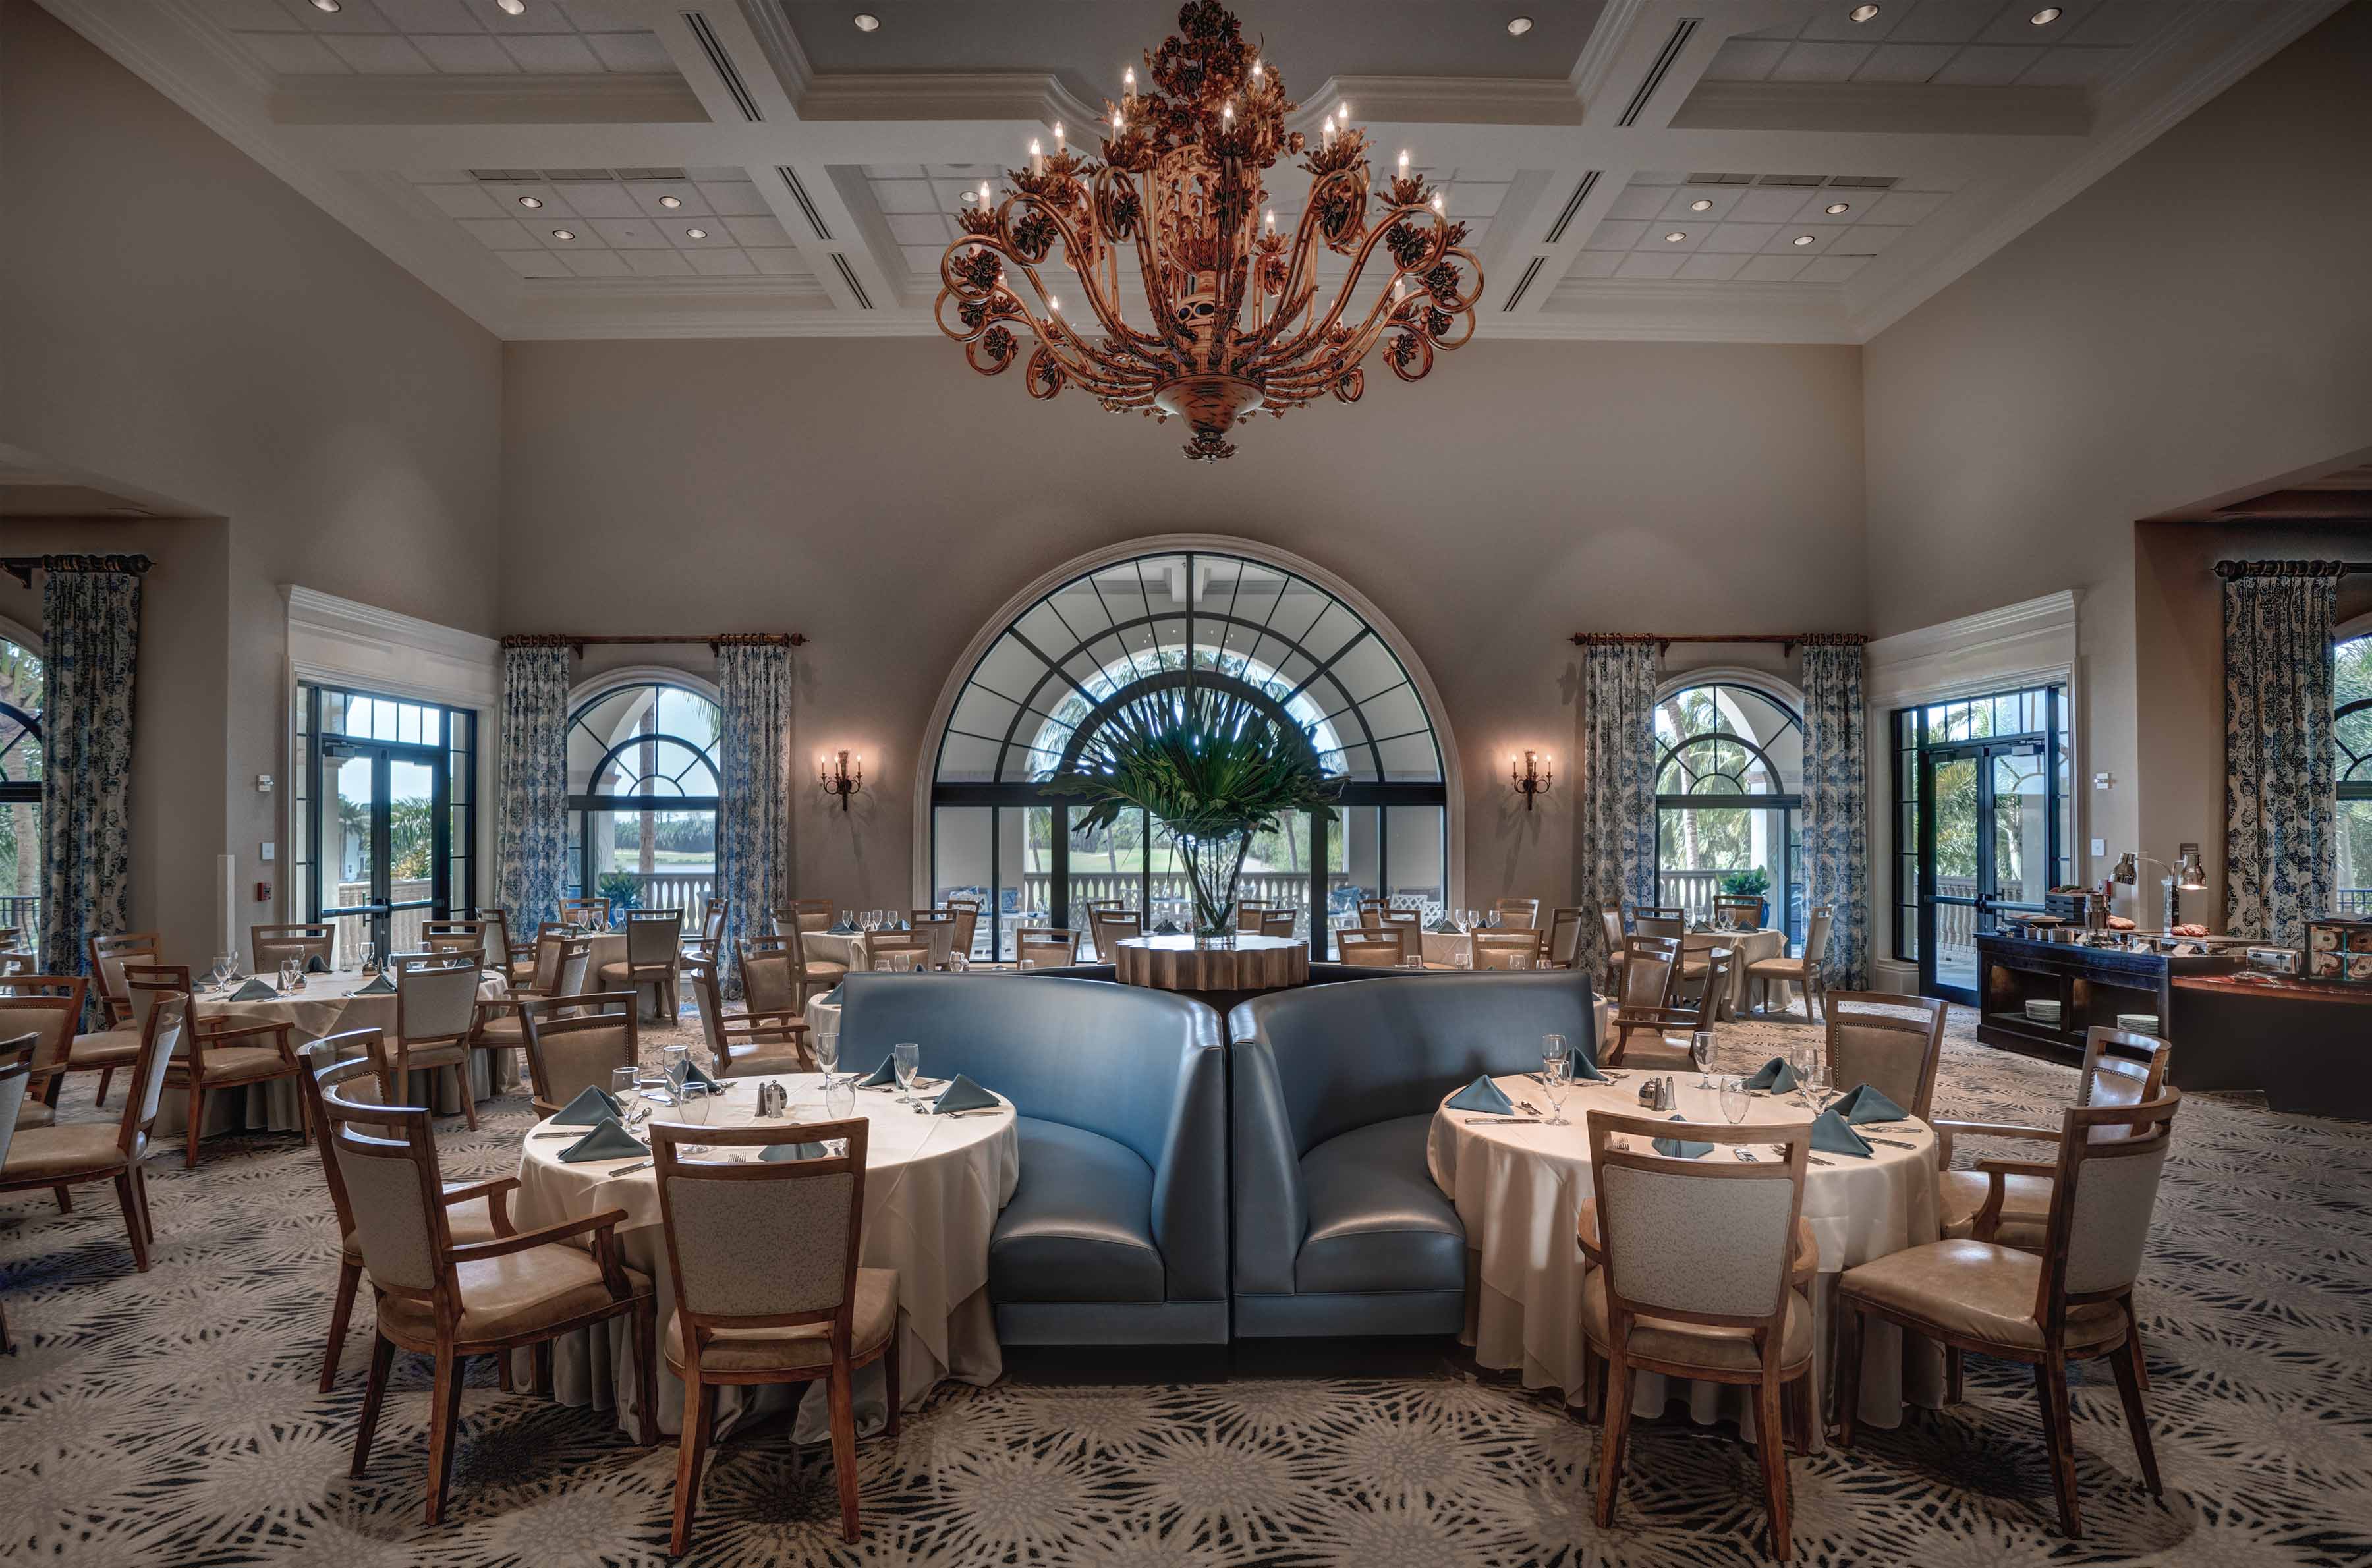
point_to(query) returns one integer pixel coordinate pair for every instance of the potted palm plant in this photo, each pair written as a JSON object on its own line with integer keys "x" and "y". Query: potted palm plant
{"x": 1212, "y": 768}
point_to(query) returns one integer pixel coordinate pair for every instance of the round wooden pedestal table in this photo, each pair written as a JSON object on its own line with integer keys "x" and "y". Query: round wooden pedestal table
{"x": 1221, "y": 976}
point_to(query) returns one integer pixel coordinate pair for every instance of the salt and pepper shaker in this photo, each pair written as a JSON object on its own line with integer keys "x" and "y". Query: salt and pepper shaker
{"x": 774, "y": 1101}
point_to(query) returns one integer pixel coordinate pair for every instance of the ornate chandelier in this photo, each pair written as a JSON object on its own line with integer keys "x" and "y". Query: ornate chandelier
{"x": 1234, "y": 322}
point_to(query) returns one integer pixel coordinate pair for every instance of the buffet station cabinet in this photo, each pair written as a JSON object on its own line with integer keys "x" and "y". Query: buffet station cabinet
{"x": 2292, "y": 1025}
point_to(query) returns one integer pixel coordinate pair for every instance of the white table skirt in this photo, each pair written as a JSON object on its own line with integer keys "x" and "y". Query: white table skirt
{"x": 932, "y": 1190}
{"x": 1518, "y": 1188}
{"x": 327, "y": 1005}
{"x": 1746, "y": 948}
{"x": 836, "y": 948}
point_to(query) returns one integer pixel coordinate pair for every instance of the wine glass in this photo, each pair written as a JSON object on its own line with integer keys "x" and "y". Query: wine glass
{"x": 368, "y": 952}
{"x": 1557, "y": 1077}
{"x": 1799, "y": 1057}
{"x": 827, "y": 1051}
{"x": 1735, "y": 1098}
{"x": 622, "y": 1086}
{"x": 1816, "y": 1078}
{"x": 847, "y": 920}
{"x": 906, "y": 1060}
{"x": 676, "y": 1065}
{"x": 840, "y": 1101}
{"x": 1554, "y": 1048}
{"x": 1700, "y": 1052}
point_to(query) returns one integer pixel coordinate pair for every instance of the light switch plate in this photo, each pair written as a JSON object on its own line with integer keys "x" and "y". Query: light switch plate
{"x": 2099, "y": 846}
{"x": 264, "y": 851}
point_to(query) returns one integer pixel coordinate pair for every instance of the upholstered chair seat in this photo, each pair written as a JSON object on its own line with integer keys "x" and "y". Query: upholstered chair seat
{"x": 33, "y": 1113}
{"x": 90, "y": 1147}
{"x": 873, "y": 1318}
{"x": 105, "y": 1048}
{"x": 1716, "y": 1348}
{"x": 826, "y": 973}
{"x": 239, "y": 1064}
{"x": 519, "y": 1293}
{"x": 1978, "y": 1290}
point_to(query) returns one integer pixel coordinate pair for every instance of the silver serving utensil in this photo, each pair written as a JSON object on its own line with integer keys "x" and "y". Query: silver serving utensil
{"x": 1749, "y": 1156}
{"x": 1818, "y": 1160}
{"x": 1486, "y": 1120}
{"x": 1892, "y": 1143}
{"x": 628, "y": 1171}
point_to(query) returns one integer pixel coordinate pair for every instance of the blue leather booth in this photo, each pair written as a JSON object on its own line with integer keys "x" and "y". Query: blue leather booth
{"x": 1117, "y": 1232}
{"x": 1338, "y": 1228}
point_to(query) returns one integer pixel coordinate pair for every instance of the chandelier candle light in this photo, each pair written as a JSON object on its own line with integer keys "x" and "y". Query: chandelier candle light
{"x": 1531, "y": 775}
{"x": 1234, "y": 322}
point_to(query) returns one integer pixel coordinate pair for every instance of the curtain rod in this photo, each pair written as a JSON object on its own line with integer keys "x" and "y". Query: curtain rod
{"x": 2233, "y": 571}
{"x": 713, "y": 639}
{"x": 1787, "y": 641}
{"x": 22, "y": 567}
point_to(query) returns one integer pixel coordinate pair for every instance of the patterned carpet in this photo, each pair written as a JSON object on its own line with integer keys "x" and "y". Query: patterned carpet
{"x": 170, "y": 1418}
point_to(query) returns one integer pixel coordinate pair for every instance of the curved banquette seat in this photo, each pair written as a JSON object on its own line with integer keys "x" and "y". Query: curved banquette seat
{"x": 1117, "y": 1231}
{"x": 1338, "y": 1228}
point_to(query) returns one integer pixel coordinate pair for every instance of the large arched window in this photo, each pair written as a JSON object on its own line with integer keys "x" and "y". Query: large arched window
{"x": 642, "y": 795}
{"x": 1729, "y": 781}
{"x": 20, "y": 789}
{"x": 1077, "y": 652}
{"x": 2351, "y": 731}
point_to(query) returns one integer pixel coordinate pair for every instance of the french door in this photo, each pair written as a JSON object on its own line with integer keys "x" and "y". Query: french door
{"x": 1989, "y": 826}
{"x": 385, "y": 854}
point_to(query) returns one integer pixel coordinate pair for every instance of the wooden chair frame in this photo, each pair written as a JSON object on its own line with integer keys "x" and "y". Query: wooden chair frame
{"x": 406, "y": 1044}
{"x": 1651, "y": 967}
{"x": 1110, "y": 927}
{"x": 594, "y": 1011}
{"x": 1660, "y": 920}
{"x": 187, "y": 1072}
{"x": 1523, "y": 942}
{"x": 597, "y": 905}
{"x": 168, "y": 1023}
{"x": 503, "y": 950}
{"x": 1562, "y": 948}
{"x": 700, "y": 1384}
{"x": 662, "y": 974}
{"x": 571, "y": 969}
{"x": 1931, "y": 1030}
{"x": 1036, "y": 944}
{"x": 131, "y": 947}
{"x": 800, "y": 911}
{"x": 1358, "y": 945}
{"x": 57, "y": 994}
{"x": 722, "y": 1030}
{"x": 1529, "y": 909}
{"x": 967, "y": 913}
{"x": 308, "y": 939}
{"x": 807, "y": 984}
{"x": 1805, "y": 972}
{"x": 1702, "y": 1012}
{"x": 923, "y": 923}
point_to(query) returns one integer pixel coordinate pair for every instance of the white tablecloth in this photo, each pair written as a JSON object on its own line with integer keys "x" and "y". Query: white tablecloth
{"x": 932, "y": 1189}
{"x": 1746, "y": 948}
{"x": 832, "y": 948}
{"x": 327, "y": 1005}
{"x": 1519, "y": 1186}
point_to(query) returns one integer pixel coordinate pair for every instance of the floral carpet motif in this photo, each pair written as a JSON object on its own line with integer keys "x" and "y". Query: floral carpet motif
{"x": 170, "y": 1417}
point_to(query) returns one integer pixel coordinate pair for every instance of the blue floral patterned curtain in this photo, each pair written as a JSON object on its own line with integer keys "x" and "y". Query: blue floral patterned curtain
{"x": 1617, "y": 786}
{"x": 532, "y": 846}
{"x": 1837, "y": 807}
{"x": 754, "y": 680}
{"x": 90, "y": 644}
{"x": 2281, "y": 800}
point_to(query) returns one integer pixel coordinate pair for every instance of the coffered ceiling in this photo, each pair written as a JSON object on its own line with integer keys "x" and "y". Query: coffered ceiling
{"x": 1749, "y": 170}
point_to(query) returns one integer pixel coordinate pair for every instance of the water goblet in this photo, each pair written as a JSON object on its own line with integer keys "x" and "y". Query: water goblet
{"x": 1735, "y": 1098}
{"x": 827, "y": 1051}
{"x": 622, "y": 1086}
{"x": 840, "y": 1101}
{"x": 368, "y": 953}
{"x": 676, "y": 1066}
{"x": 1700, "y": 1052}
{"x": 1557, "y": 1077}
{"x": 1554, "y": 1048}
{"x": 906, "y": 1060}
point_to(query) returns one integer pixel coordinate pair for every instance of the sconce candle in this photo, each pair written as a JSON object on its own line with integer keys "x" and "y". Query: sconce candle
{"x": 840, "y": 773}
{"x": 1530, "y": 775}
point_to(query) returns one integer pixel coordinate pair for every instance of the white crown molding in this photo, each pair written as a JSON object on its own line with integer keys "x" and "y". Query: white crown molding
{"x": 1985, "y": 651}
{"x": 1036, "y": 96}
{"x": 1444, "y": 100}
{"x": 785, "y": 54}
{"x": 659, "y": 97}
{"x": 1875, "y": 108}
{"x": 1604, "y": 47}
{"x": 331, "y": 638}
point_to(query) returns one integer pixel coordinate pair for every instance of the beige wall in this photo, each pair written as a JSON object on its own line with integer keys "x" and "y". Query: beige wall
{"x": 2195, "y": 323}
{"x": 176, "y": 319}
{"x": 879, "y": 497}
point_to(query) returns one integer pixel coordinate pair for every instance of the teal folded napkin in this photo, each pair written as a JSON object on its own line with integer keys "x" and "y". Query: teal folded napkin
{"x": 1445, "y": 926}
{"x": 963, "y": 1095}
{"x": 382, "y": 986}
{"x": 592, "y": 1105}
{"x": 1774, "y": 1075}
{"x": 1682, "y": 1148}
{"x": 831, "y": 998}
{"x": 881, "y": 1076}
{"x": 779, "y": 1152}
{"x": 1484, "y": 1095}
{"x": 608, "y": 1140}
{"x": 837, "y": 929}
{"x": 314, "y": 965}
{"x": 1585, "y": 1070}
{"x": 696, "y": 1082}
{"x": 255, "y": 991}
{"x": 1166, "y": 928}
{"x": 1831, "y": 1136}
{"x": 1867, "y": 1102}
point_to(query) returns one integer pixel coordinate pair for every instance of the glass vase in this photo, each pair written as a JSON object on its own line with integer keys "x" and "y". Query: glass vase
{"x": 1214, "y": 864}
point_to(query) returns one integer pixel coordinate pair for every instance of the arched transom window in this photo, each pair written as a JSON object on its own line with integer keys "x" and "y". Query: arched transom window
{"x": 1730, "y": 780}
{"x": 1069, "y": 660}
{"x": 642, "y": 795}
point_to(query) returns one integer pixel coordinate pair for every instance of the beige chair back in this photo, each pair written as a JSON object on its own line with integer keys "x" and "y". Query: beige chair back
{"x": 1111, "y": 927}
{"x": 16, "y": 1078}
{"x": 1371, "y": 912}
{"x": 576, "y": 974}
{"x": 967, "y": 913}
{"x": 1043, "y": 948}
{"x": 1610, "y": 928}
{"x": 2120, "y": 1068}
{"x": 108, "y": 957}
{"x": 1377, "y": 949}
{"x": 575, "y": 911}
{"x": 2102, "y": 1201}
{"x": 1566, "y": 922}
{"x": 456, "y": 936}
{"x": 712, "y": 924}
{"x": 1715, "y": 991}
{"x": 938, "y": 927}
{"x": 1737, "y": 912}
{"x": 1518, "y": 914}
{"x": 654, "y": 937}
{"x": 271, "y": 946}
{"x": 1650, "y": 965}
{"x": 879, "y": 945}
{"x": 1651, "y": 920}
{"x": 1709, "y": 1240}
{"x": 795, "y": 915}
{"x": 564, "y": 1055}
{"x": 1891, "y": 1042}
{"x": 1405, "y": 920}
{"x": 48, "y": 1007}
{"x": 353, "y": 1064}
{"x": 1279, "y": 922}
{"x": 1506, "y": 949}
{"x": 387, "y": 1160}
{"x": 151, "y": 985}
{"x": 498, "y": 921}
{"x": 771, "y": 1243}
{"x": 1816, "y": 944}
{"x": 771, "y": 973}
{"x": 435, "y": 999}
{"x": 1249, "y": 913}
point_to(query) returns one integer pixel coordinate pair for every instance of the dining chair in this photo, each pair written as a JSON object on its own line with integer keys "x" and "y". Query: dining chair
{"x": 214, "y": 1054}
{"x": 566, "y": 1056}
{"x": 1110, "y": 927}
{"x": 1806, "y": 972}
{"x": 770, "y": 976}
{"x": 1658, "y": 919}
{"x": 1724, "y": 1308}
{"x": 768, "y": 1289}
{"x": 1891, "y": 1042}
{"x": 809, "y": 975}
{"x": 503, "y": 951}
{"x": 271, "y": 946}
{"x": 893, "y": 946}
{"x": 712, "y": 929}
{"x": 967, "y": 913}
{"x": 1403, "y": 919}
{"x": 1643, "y": 1034}
{"x": 456, "y": 936}
{"x": 1505, "y": 949}
{"x": 596, "y": 910}
{"x": 1517, "y": 912}
{"x": 101, "y": 1050}
{"x": 1643, "y": 985}
{"x": 1737, "y": 912}
{"x": 1609, "y": 923}
{"x": 1250, "y": 913}
{"x": 653, "y": 951}
{"x": 72, "y": 1154}
{"x": 938, "y": 928}
{"x": 439, "y": 1296}
{"x": 1562, "y": 949}
{"x": 564, "y": 969}
{"x": 355, "y": 1063}
{"x": 1381, "y": 948}
{"x": 108, "y": 957}
{"x": 1279, "y": 922}
{"x": 747, "y": 1044}
{"x": 1371, "y": 912}
{"x": 2072, "y": 1301}
{"x": 1044, "y": 948}
{"x": 16, "y": 1077}
{"x": 435, "y": 1017}
{"x": 45, "y": 1008}
{"x": 795, "y": 915}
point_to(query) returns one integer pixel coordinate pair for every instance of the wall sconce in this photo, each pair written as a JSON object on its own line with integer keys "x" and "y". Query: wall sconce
{"x": 1532, "y": 775}
{"x": 840, "y": 773}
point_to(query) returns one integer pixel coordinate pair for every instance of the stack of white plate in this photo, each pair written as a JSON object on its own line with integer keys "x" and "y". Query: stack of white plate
{"x": 2139, "y": 1023}
{"x": 2043, "y": 1012}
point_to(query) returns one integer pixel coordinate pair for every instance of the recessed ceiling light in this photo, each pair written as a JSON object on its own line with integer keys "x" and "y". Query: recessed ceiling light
{"x": 512, "y": 7}
{"x": 1803, "y": 239}
{"x": 564, "y": 234}
{"x": 696, "y": 233}
{"x": 1864, "y": 12}
{"x": 2045, "y": 17}
{"x": 530, "y": 203}
{"x": 329, "y": 6}
{"x": 1701, "y": 204}
{"x": 670, "y": 203}
{"x": 1676, "y": 237}
{"x": 866, "y": 22}
{"x": 1836, "y": 207}
{"x": 1520, "y": 25}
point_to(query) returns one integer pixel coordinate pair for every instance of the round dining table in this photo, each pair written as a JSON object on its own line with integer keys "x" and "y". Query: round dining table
{"x": 934, "y": 1186}
{"x": 1518, "y": 1186}
{"x": 846, "y": 949}
{"x": 330, "y": 1004}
